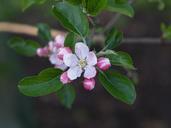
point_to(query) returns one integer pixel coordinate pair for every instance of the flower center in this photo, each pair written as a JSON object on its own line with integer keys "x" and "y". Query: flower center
{"x": 82, "y": 63}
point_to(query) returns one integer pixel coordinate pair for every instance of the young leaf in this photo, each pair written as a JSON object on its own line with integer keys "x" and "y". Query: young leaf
{"x": 28, "y": 3}
{"x": 44, "y": 32}
{"x": 118, "y": 86}
{"x": 76, "y": 2}
{"x": 120, "y": 6}
{"x": 45, "y": 83}
{"x": 114, "y": 39}
{"x": 166, "y": 31}
{"x": 94, "y": 7}
{"x": 67, "y": 95}
{"x": 122, "y": 59}
{"x": 24, "y": 47}
{"x": 72, "y": 18}
{"x": 70, "y": 40}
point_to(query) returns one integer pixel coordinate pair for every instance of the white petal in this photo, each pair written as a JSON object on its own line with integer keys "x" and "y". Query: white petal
{"x": 81, "y": 50}
{"x": 90, "y": 72}
{"x": 74, "y": 72}
{"x": 62, "y": 67}
{"x": 59, "y": 41}
{"x": 70, "y": 60}
{"x": 55, "y": 60}
{"x": 91, "y": 59}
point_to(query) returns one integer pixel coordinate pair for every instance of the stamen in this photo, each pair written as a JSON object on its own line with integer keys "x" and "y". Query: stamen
{"x": 82, "y": 63}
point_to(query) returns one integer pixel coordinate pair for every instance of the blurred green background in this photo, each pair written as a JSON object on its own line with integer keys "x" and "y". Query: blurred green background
{"x": 97, "y": 108}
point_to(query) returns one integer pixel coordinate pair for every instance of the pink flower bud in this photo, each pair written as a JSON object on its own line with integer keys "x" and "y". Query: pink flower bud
{"x": 103, "y": 63}
{"x": 89, "y": 84}
{"x": 64, "y": 78}
{"x": 63, "y": 51}
{"x": 43, "y": 52}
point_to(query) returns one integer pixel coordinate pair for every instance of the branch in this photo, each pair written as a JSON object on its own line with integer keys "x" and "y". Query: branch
{"x": 32, "y": 31}
{"x": 23, "y": 29}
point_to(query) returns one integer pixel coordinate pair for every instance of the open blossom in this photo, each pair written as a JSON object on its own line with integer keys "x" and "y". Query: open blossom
{"x": 58, "y": 51}
{"x": 82, "y": 61}
{"x": 55, "y": 51}
{"x": 57, "y": 57}
{"x": 103, "y": 63}
{"x": 56, "y": 44}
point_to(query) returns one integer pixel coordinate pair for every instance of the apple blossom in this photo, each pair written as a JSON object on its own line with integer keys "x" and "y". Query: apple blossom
{"x": 103, "y": 63}
{"x": 57, "y": 57}
{"x": 82, "y": 61}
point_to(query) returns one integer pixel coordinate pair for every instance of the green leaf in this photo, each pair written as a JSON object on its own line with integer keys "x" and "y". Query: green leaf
{"x": 94, "y": 7}
{"x": 166, "y": 31}
{"x": 28, "y": 3}
{"x": 114, "y": 39}
{"x": 44, "y": 32}
{"x": 76, "y": 2}
{"x": 45, "y": 83}
{"x": 67, "y": 95}
{"x": 118, "y": 86}
{"x": 70, "y": 40}
{"x": 72, "y": 18}
{"x": 24, "y": 47}
{"x": 120, "y": 6}
{"x": 122, "y": 59}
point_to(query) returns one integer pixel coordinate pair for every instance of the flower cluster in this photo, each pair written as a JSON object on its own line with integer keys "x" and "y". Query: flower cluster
{"x": 81, "y": 62}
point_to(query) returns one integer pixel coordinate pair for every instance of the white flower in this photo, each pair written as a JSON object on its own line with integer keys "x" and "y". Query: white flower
{"x": 82, "y": 61}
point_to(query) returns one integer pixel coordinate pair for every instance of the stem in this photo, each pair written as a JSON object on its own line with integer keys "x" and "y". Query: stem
{"x": 84, "y": 41}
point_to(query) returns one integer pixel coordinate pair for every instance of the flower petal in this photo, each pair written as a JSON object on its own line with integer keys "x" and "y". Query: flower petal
{"x": 90, "y": 72}
{"x": 63, "y": 51}
{"x": 59, "y": 41}
{"x": 55, "y": 60}
{"x": 91, "y": 59}
{"x": 62, "y": 67}
{"x": 81, "y": 50}
{"x": 70, "y": 60}
{"x": 74, "y": 72}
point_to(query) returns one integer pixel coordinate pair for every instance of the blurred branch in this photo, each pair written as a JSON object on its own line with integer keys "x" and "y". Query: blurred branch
{"x": 23, "y": 29}
{"x": 32, "y": 31}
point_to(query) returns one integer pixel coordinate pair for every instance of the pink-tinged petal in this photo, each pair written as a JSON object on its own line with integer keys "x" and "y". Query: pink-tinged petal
{"x": 64, "y": 78}
{"x": 91, "y": 59}
{"x": 62, "y": 67}
{"x": 81, "y": 50}
{"x": 59, "y": 41}
{"x": 89, "y": 84}
{"x": 103, "y": 63}
{"x": 51, "y": 45}
{"x": 74, "y": 72}
{"x": 63, "y": 51}
{"x": 90, "y": 72}
{"x": 70, "y": 60}
{"x": 43, "y": 52}
{"x": 55, "y": 60}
